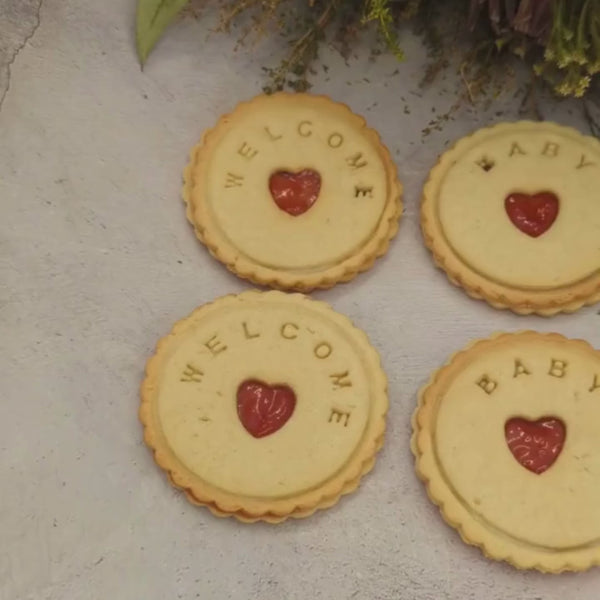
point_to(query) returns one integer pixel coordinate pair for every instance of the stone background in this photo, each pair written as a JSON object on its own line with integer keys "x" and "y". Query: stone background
{"x": 96, "y": 263}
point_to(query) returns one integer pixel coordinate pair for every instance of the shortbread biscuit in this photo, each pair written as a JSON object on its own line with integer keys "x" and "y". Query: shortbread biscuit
{"x": 511, "y": 213}
{"x": 264, "y": 406}
{"x": 293, "y": 191}
{"x": 507, "y": 439}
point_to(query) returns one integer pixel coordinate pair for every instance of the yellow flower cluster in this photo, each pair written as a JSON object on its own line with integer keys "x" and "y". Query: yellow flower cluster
{"x": 572, "y": 54}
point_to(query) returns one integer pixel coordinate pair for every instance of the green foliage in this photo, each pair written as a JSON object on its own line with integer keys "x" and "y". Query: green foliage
{"x": 153, "y": 17}
{"x": 560, "y": 39}
{"x": 572, "y": 54}
{"x": 380, "y": 11}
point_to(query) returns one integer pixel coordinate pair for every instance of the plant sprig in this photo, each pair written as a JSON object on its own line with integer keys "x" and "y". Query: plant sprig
{"x": 559, "y": 38}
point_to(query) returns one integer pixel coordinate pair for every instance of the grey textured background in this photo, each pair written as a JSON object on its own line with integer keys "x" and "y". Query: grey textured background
{"x": 97, "y": 262}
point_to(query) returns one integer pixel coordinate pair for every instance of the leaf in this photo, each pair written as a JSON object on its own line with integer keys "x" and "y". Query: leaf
{"x": 153, "y": 17}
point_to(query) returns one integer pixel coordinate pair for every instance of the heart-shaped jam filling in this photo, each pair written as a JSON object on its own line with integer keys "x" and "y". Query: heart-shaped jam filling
{"x": 535, "y": 444}
{"x": 295, "y": 193}
{"x": 263, "y": 409}
{"x": 533, "y": 214}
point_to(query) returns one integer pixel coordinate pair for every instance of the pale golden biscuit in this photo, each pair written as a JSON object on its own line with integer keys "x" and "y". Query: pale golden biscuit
{"x": 511, "y": 213}
{"x": 293, "y": 191}
{"x": 264, "y": 406}
{"x": 507, "y": 439}
{"x": 297, "y": 514}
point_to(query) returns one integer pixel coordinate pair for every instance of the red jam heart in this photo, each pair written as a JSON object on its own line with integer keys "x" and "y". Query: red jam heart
{"x": 295, "y": 193}
{"x": 533, "y": 214}
{"x": 535, "y": 444}
{"x": 264, "y": 408}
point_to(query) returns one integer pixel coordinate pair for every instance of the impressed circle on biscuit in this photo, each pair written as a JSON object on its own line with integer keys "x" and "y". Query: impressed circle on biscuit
{"x": 511, "y": 213}
{"x": 293, "y": 191}
{"x": 507, "y": 439}
{"x": 264, "y": 405}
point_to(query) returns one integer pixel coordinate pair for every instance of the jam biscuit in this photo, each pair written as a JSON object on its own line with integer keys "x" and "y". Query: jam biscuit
{"x": 511, "y": 213}
{"x": 264, "y": 406}
{"x": 293, "y": 191}
{"x": 507, "y": 440}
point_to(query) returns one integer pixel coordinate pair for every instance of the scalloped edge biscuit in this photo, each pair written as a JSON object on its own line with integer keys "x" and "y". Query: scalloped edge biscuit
{"x": 249, "y": 509}
{"x": 546, "y": 303}
{"x": 274, "y": 519}
{"x": 492, "y": 546}
{"x": 225, "y": 252}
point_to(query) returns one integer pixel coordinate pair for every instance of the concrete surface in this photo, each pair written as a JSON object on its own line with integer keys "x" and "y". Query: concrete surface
{"x": 97, "y": 261}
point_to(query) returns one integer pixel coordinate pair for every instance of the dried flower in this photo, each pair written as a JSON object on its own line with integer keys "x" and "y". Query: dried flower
{"x": 560, "y": 39}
